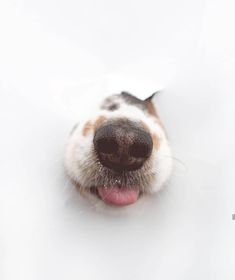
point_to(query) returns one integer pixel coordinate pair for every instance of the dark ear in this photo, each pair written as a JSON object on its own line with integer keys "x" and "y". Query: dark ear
{"x": 152, "y": 96}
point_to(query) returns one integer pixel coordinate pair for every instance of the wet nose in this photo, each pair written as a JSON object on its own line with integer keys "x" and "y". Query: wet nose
{"x": 122, "y": 147}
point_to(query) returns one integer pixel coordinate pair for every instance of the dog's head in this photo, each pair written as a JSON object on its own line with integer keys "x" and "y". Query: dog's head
{"x": 121, "y": 153}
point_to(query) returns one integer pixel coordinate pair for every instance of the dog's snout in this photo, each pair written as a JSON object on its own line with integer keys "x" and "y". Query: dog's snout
{"x": 122, "y": 147}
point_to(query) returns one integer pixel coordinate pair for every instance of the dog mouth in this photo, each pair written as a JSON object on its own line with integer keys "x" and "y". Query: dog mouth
{"x": 116, "y": 195}
{"x": 116, "y": 188}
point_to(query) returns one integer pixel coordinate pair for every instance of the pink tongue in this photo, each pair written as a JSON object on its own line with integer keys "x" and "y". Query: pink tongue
{"x": 118, "y": 196}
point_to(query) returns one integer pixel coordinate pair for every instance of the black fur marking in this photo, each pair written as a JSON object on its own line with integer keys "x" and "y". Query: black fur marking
{"x": 111, "y": 103}
{"x": 113, "y": 107}
{"x": 132, "y": 100}
{"x": 151, "y": 96}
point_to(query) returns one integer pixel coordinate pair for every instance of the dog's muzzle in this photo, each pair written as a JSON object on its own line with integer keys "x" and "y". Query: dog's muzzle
{"x": 121, "y": 147}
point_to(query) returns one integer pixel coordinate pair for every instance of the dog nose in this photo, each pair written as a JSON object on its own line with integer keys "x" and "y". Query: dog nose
{"x": 122, "y": 147}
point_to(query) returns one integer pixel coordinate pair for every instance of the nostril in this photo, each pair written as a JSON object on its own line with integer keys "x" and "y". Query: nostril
{"x": 140, "y": 150}
{"x": 106, "y": 146}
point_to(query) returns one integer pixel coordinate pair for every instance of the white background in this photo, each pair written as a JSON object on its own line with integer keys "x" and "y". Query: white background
{"x": 56, "y": 59}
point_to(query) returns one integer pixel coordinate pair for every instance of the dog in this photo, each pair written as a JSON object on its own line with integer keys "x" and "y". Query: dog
{"x": 121, "y": 153}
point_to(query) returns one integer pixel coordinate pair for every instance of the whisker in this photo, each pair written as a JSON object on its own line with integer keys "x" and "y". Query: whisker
{"x": 176, "y": 160}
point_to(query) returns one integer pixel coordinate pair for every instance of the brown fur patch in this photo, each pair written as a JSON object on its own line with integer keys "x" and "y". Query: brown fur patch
{"x": 151, "y": 109}
{"x": 87, "y": 127}
{"x": 156, "y": 141}
{"x": 99, "y": 121}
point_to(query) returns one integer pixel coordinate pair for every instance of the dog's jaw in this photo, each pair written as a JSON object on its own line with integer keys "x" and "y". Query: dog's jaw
{"x": 83, "y": 167}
